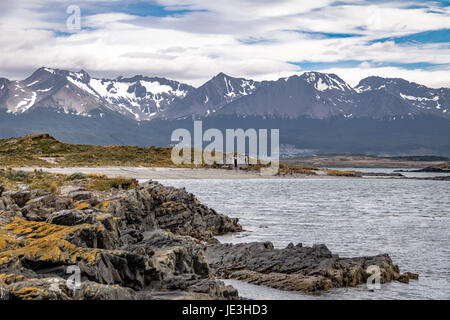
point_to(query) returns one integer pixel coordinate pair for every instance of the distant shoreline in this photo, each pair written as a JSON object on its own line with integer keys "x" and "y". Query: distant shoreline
{"x": 361, "y": 161}
{"x": 164, "y": 173}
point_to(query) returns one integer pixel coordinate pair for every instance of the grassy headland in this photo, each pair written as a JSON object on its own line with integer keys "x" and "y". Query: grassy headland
{"x": 42, "y": 150}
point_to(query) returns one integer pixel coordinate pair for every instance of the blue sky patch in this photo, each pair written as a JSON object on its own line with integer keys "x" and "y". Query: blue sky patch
{"x": 313, "y": 65}
{"x": 327, "y": 35}
{"x": 139, "y": 8}
{"x": 435, "y": 36}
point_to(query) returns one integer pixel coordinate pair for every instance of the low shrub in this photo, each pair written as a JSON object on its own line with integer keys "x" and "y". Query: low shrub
{"x": 77, "y": 176}
{"x": 104, "y": 184}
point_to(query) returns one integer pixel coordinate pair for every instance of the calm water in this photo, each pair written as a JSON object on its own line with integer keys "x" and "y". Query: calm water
{"x": 392, "y": 170}
{"x": 409, "y": 219}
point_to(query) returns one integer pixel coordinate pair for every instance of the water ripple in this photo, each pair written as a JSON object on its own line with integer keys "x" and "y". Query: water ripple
{"x": 409, "y": 219}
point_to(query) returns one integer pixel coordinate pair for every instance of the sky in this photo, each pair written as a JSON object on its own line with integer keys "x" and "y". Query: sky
{"x": 193, "y": 40}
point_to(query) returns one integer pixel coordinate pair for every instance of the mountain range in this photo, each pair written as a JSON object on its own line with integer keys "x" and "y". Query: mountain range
{"x": 84, "y": 105}
{"x": 313, "y": 95}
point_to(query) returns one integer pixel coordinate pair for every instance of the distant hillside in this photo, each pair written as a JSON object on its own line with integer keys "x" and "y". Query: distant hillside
{"x": 44, "y": 150}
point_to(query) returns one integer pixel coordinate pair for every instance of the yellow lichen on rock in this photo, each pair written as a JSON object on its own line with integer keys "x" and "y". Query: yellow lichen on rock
{"x": 28, "y": 293}
{"x": 104, "y": 206}
{"x": 171, "y": 205}
{"x": 103, "y": 216}
{"x": 40, "y": 289}
{"x": 47, "y": 242}
{"x": 8, "y": 279}
{"x": 7, "y": 241}
{"x": 82, "y": 206}
{"x": 28, "y": 230}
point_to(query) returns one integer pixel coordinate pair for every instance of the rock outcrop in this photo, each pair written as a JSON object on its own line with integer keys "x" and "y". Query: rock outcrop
{"x": 440, "y": 168}
{"x": 149, "y": 242}
{"x": 137, "y": 244}
{"x": 297, "y": 268}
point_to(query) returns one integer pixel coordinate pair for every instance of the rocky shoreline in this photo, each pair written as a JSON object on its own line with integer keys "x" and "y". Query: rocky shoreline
{"x": 149, "y": 242}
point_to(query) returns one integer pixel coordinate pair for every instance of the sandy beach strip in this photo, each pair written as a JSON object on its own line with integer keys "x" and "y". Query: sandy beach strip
{"x": 142, "y": 173}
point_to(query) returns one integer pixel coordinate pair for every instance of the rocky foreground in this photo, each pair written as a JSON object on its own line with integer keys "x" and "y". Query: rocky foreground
{"x": 149, "y": 242}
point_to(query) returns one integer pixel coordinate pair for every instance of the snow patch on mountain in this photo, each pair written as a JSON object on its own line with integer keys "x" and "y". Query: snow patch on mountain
{"x": 406, "y": 97}
{"x": 155, "y": 87}
{"x": 26, "y": 104}
{"x": 323, "y": 82}
{"x": 83, "y": 86}
{"x": 33, "y": 83}
{"x": 52, "y": 71}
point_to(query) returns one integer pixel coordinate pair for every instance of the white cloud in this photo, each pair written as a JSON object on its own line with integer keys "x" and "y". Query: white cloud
{"x": 365, "y": 65}
{"x": 195, "y": 46}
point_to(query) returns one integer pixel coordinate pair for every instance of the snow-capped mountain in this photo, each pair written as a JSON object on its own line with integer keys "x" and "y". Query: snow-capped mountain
{"x": 77, "y": 93}
{"x": 212, "y": 96}
{"x": 312, "y": 95}
{"x": 398, "y": 97}
{"x": 322, "y": 96}
{"x": 58, "y": 90}
{"x": 140, "y": 96}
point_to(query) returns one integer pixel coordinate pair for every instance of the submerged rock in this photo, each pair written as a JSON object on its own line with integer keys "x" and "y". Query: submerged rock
{"x": 297, "y": 268}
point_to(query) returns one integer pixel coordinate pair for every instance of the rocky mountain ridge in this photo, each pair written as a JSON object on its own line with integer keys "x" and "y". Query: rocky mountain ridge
{"x": 312, "y": 95}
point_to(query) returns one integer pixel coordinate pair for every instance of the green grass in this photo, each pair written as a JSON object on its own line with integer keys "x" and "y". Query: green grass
{"x": 33, "y": 149}
{"x": 47, "y": 181}
{"x": 294, "y": 169}
{"x": 105, "y": 184}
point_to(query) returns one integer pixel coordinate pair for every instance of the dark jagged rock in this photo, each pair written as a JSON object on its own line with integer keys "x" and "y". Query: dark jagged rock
{"x": 57, "y": 289}
{"x": 297, "y": 268}
{"x": 203, "y": 289}
{"x": 382, "y": 174}
{"x": 80, "y": 195}
{"x": 173, "y": 260}
{"x": 116, "y": 239}
{"x": 440, "y": 168}
{"x": 150, "y": 242}
{"x": 40, "y": 208}
{"x": 181, "y": 213}
{"x": 9, "y": 210}
{"x": 131, "y": 236}
{"x": 20, "y": 197}
{"x": 71, "y": 217}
